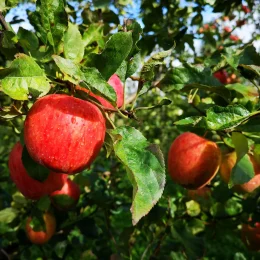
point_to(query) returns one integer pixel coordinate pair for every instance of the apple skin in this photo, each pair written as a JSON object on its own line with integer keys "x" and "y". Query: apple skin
{"x": 29, "y": 187}
{"x": 63, "y": 133}
{"x": 228, "y": 162}
{"x": 250, "y": 235}
{"x": 193, "y": 161}
{"x": 41, "y": 237}
{"x": 67, "y": 196}
{"x": 221, "y": 75}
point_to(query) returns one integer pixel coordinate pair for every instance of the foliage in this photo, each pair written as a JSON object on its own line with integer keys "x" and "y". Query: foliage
{"x": 129, "y": 207}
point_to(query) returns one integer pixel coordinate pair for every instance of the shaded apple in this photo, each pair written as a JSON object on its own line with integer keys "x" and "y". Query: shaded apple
{"x": 67, "y": 196}
{"x": 64, "y": 133}
{"x": 227, "y": 164}
{"x": 41, "y": 236}
{"x": 203, "y": 193}
{"x": 193, "y": 161}
{"x": 29, "y": 187}
{"x": 234, "y": 38}
{"x": 221, "y": 75}
{"x": 250, "y": 234}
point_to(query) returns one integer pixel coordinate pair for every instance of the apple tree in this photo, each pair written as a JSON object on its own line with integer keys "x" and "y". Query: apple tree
{"x": 129, "y": 129}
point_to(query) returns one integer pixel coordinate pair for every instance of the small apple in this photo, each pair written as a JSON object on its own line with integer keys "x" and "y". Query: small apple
{"x": 63, "y": 133}
{"x": 234, "y": 38}
{"x": 29, "y": 187}
{"x": 203, "y": 193}
{"x": 42, "y": 236}
{"x": 250, "y": 234}
{"x": 227, "y": 164}
{"x": 221, "y": 75}
{"x": 67, "y": 197}
{"x": 193, "y": 161}
{"x": 246, "y": 9}
{"x": 227, "y": 29}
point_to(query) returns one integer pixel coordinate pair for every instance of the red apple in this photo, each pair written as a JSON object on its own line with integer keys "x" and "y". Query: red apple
{"x": 250, "y": 234}
{"x": 234, "y": 38}
{"x": 193, "y": 161}
{"x": 221, "y": 75}
{"x": 227, "y": 29}
{"x": 227, "y": 164}
{"x": 29, "y": 187}
{"x": 246, "y": 9}
{"x": 67, "y": 197}
{"x": 41, "y": 237}
{"x": 64, "y": 133}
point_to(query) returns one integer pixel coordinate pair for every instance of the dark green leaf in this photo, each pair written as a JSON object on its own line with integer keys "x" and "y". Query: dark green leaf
{"x": 44, "y": 203}
{"x": 35, "y": 170}
{"x": 27, "y": 39}
{"x": 116, "y": 51}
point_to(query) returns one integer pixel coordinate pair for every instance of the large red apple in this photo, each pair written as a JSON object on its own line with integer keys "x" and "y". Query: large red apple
{"x": 67, "y": 197}
{"x": 222, "y": 76}
{"x": 42, "y": 236}
{"x": 64, "y": 133}
{"x": 193, "y": 161}
{"x": 29, "y": 187}
{"x": 250, "y": 234}
{"x": 227, "y": 164}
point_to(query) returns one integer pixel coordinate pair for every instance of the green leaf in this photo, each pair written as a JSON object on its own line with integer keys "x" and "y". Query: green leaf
{"x": 116, "y": 51}
{"x": 218, "y": 118}
{"x": 27, "y": 39}
{"x": 43, "y": 203}
{"x": 193, "y": 208}
{"x": 70, "y": 70}
{"x": 94, "y": 34}
{"x": 53, "y": 19}
{"x": 98, "y": 85}
{"x": 60, "y": 248}
{"x": 133, "y": 65}
{"x": 7, "y": 215}
{"x": 145, "y": 167}
{"x": 249, "y": 71}
{"x": 189, "y": 77}
{"x": 73, "y": 44}
{"x": 163, "y": 102}
{"x": 257, "y": 153}
{"x": 101, "y": 3}
{"x": 147, "y": 72}
{"x": 35, "y": 170}
{"x": 233, "y": 207}
{"x": 249, "y": 92}
{"x": 243, "y": 170}
{"x": 194, "y": 246}
{"x": 24, "y": 77}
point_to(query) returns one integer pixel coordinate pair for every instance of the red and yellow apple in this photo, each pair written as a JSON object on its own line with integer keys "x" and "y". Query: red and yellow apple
{"x": 42, "y": 236}
{"x": 29, "y": 187}
{"x": 67, "y": 196}
{"x": 250, "y": 234}
{"x": 193, "y": 161}
{"x": 64, "y": 133}
{"x": 227, "y": 164}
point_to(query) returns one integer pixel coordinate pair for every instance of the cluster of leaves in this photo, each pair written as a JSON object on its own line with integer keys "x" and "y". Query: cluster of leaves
{"x": 60, "y": 55}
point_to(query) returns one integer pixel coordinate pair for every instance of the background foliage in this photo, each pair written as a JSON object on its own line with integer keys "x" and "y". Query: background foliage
{"x": 170, "y": 88}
